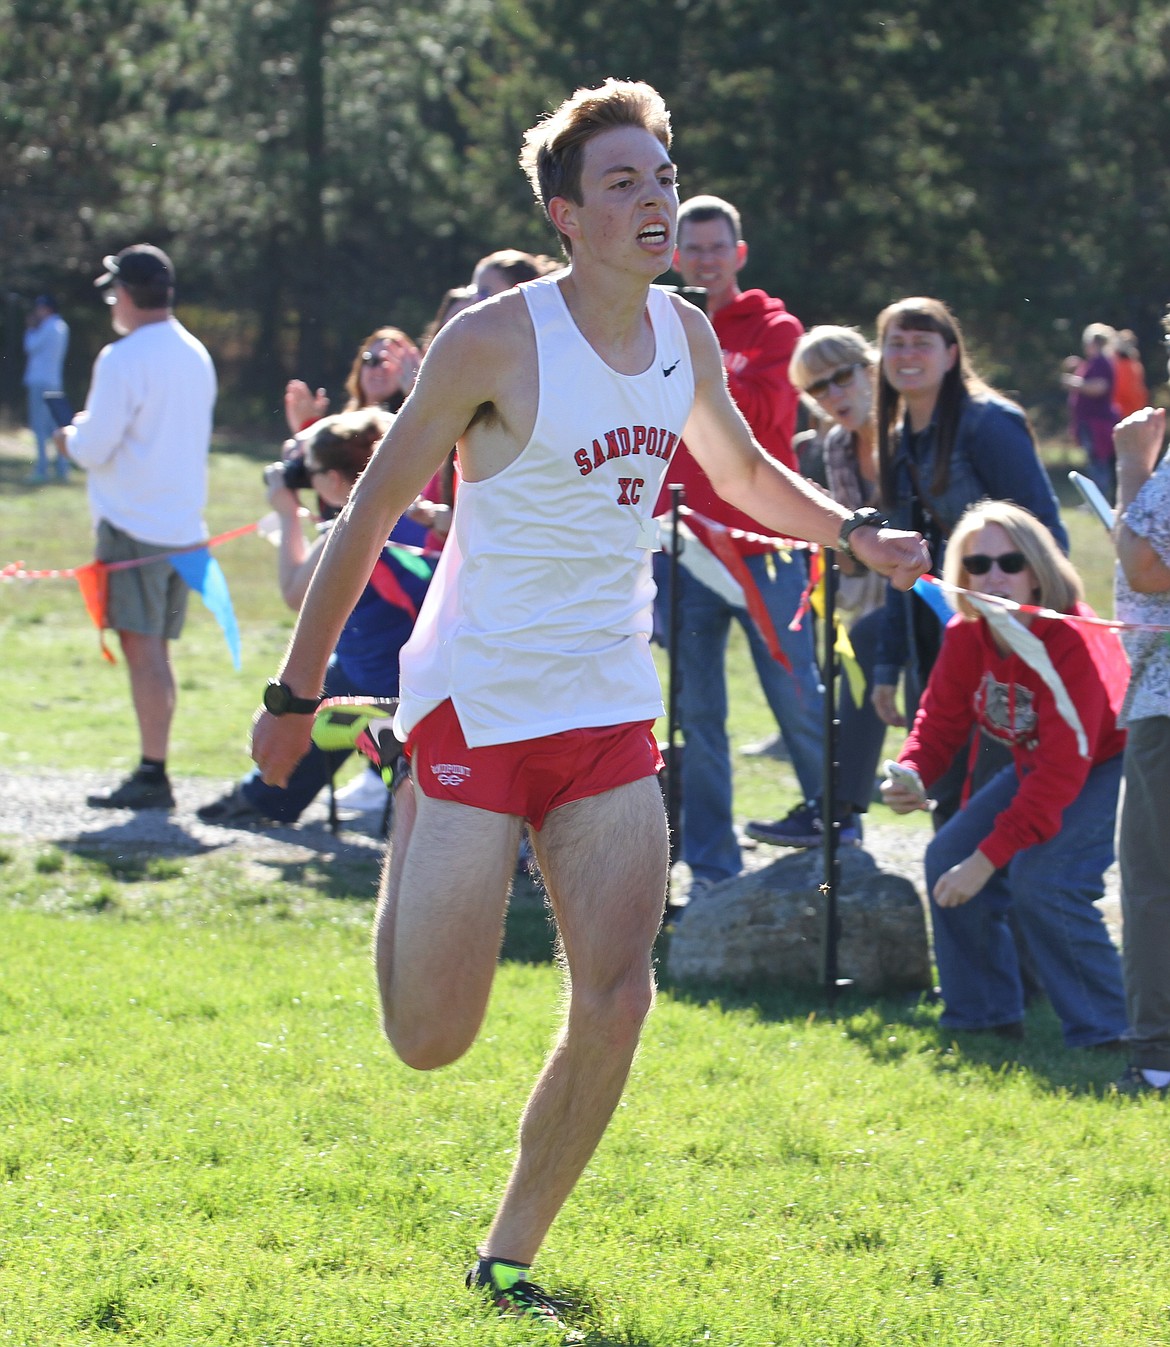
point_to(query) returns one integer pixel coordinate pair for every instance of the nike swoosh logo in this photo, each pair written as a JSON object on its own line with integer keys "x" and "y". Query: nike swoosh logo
{"x": 666, "y": 373}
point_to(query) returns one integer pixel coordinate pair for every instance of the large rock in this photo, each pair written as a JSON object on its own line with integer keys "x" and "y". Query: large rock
{"x": 765, "y": 925}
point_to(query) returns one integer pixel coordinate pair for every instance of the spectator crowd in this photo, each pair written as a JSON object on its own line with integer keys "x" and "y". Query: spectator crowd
{"x": 1019, "y": 726}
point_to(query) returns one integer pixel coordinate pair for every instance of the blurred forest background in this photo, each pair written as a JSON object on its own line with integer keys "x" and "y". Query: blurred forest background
{"x": 317, "y": 167}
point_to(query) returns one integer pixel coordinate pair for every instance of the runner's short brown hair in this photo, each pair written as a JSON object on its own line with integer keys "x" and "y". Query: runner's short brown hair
{"x": 554, "y": 148}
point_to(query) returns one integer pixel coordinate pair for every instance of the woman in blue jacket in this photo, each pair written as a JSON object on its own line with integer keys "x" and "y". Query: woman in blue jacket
{"x": 945, "y": 441}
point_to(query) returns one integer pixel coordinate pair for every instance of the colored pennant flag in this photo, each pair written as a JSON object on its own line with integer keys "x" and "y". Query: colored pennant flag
{"x": 843, "y": 646}
{"x": 928, "y": 590}
{"x": 93, "y": 580}
{"x": 716, "y": 538}
{"x": 205, "y": 576}
{"x": 1030, "y": 648}
{"x": 702, "y": 564}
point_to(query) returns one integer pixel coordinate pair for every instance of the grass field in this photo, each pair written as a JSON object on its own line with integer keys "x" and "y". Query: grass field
{"x": 204, "y": 1140}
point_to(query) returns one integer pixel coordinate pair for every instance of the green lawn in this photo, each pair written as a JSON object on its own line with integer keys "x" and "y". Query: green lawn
{"x": 204, "y": 1139}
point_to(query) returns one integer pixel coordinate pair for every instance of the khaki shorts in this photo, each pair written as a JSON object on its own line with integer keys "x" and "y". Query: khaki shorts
{"x": 150, "y": 600}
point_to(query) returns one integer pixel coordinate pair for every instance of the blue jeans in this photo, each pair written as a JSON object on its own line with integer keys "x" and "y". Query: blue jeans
{"x": 316, "y": 769}
{"x": 862, "y": 732}
{"x": 709, "y": 844}
{"x": 1145, "y": 890}
{"x": 42, "y": 425}
{"x": 1052, "y": 889}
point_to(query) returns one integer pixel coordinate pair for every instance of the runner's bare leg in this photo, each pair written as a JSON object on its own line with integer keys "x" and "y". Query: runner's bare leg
{"x": 604, "y": 860}
{"x": 439, "y": 923}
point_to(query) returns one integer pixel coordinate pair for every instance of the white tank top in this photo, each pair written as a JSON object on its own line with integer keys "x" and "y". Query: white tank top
{"x": 538, "y": 616}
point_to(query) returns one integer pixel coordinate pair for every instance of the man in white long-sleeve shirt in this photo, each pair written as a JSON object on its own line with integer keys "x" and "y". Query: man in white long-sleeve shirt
{"x": 143, "y": 439}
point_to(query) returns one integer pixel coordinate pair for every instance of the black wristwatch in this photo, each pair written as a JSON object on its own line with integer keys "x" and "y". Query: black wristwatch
{"x": 865, "y": 518}
{"x": 279, "y": 700}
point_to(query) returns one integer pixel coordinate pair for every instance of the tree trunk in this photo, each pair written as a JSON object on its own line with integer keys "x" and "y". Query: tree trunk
{"x": 312, "y": 262}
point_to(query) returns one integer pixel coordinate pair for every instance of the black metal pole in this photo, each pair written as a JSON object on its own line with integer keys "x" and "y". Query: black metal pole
{"x": 673, "y": 766}
{"x": 830, "y": 921}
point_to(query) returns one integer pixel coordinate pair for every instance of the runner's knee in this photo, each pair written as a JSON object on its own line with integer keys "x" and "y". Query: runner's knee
{"x": 615, "y": 1013}
{"x": 427, "y": 1046}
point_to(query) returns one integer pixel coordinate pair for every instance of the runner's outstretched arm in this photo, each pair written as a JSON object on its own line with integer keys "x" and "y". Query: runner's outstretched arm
{"x": 458, "y": 377}
{"x": 743, "y": 474}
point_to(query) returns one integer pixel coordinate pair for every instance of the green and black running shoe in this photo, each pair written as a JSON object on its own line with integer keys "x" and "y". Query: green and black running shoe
{"x": 345, "y": 723}
{"x": 514, "y": 1295}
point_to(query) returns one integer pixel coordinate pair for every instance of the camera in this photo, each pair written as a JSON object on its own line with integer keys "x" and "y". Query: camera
{"x": 292, "y": 472}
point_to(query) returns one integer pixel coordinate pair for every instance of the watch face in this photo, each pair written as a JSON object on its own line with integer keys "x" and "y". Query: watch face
{"x": 276, "y": 699}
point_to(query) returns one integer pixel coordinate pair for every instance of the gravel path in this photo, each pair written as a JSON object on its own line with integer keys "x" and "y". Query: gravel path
{"x": 49, "y": 807}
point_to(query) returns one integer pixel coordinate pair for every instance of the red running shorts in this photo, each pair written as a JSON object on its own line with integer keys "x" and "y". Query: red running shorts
{"x": 532, "y": 776}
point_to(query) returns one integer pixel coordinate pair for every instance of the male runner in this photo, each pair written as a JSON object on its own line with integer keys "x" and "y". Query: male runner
{"x": 528, "y": 689}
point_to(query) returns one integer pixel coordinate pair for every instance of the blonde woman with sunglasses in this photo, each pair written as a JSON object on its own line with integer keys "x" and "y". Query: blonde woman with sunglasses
{"x": 1034, "y": 842}
{"x": 833, "y": 367}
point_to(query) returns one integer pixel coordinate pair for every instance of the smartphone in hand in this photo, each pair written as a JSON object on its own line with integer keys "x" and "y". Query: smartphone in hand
{"x": 907, "y": 776}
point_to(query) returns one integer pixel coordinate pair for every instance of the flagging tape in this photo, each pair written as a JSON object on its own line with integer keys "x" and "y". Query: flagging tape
{"x": 16, "y": 570}
{"x": 1109, "y": 624}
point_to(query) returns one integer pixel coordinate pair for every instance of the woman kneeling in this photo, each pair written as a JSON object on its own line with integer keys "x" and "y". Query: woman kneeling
{"x": 1037, "y": 839}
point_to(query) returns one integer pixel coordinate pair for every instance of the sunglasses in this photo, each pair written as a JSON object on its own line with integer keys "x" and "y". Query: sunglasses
{"x": 1011, "y": 563}
{"x": 841, "y": 378}
{"x": 374, "y": 357}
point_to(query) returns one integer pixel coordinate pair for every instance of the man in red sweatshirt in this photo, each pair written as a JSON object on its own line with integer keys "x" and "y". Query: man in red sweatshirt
{"x": 757, "y": 335}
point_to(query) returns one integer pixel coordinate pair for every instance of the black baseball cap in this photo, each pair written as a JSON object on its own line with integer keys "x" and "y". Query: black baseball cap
{"x": 140, "y": 264}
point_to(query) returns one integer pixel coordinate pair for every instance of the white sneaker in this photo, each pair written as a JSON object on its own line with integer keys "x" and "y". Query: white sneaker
{"x": 365, "y": 793}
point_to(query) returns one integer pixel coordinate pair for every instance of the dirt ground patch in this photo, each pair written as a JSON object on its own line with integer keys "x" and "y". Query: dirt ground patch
{"x": 50, "y": 807}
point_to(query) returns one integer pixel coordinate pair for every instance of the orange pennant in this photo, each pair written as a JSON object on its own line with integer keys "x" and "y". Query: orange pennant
{"x": 93, "y": 579}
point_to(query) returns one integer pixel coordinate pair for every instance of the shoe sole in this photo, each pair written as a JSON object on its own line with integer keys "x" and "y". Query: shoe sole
{"x": 239, "y": 821}
{"x": 95, "y": 802}
{"x": 793, "y": 843}
{"x": 799, "y": 843}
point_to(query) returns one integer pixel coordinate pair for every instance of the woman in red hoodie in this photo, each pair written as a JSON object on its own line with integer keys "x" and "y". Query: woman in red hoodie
{"x": 1038, "y": 837}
